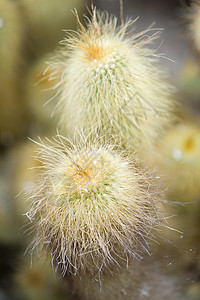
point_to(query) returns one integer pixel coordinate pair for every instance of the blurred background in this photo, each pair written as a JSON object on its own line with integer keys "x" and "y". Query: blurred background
{"x": 30, "y": 31}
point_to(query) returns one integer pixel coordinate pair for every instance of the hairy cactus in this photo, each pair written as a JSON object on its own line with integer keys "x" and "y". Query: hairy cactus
{"x": 110, "y": 80}
{"x": 91, "y": 206}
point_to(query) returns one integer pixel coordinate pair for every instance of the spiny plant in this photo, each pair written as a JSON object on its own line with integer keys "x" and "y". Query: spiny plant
{"x": 111, "y": 80}
{"x": 91, "y": 207}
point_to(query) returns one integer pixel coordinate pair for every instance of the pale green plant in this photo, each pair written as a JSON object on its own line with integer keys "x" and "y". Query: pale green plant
{"x": 111, "y": 80}
{"x": 92, "y": 206}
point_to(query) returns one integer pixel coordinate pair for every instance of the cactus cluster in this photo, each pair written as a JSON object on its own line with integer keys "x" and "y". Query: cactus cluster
{"x": 95, "y": 202}
{"x": 92, "y": 206}
{"x": 95, "y": 206}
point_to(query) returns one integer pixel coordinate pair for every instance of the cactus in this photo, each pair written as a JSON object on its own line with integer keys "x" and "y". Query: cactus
{"x": 138, "y": 281}
{"x": 11, "y": 51}
{"x": 110, "y": 80}
{"x": 94, "y": 207}
{"x": 179, "y": 161}
{"x": 38, "y": 281}
{"x": 193, "y": 16}
{"x": 91, "y": 206}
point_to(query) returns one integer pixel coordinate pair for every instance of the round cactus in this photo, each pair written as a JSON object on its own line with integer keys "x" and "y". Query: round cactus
{"x": 91, "y": 206}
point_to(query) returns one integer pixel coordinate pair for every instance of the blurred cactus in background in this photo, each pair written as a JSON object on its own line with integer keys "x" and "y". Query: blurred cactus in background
{"x": 47, "y": 19}
{"x": 180, "y": 161}
{"x": 39, "y": 281}
{"x": 12, "y": 38}
{"x": 138, "y": 281}
{"x": 194, "y": 18}
{"x": 40, "y": 95}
